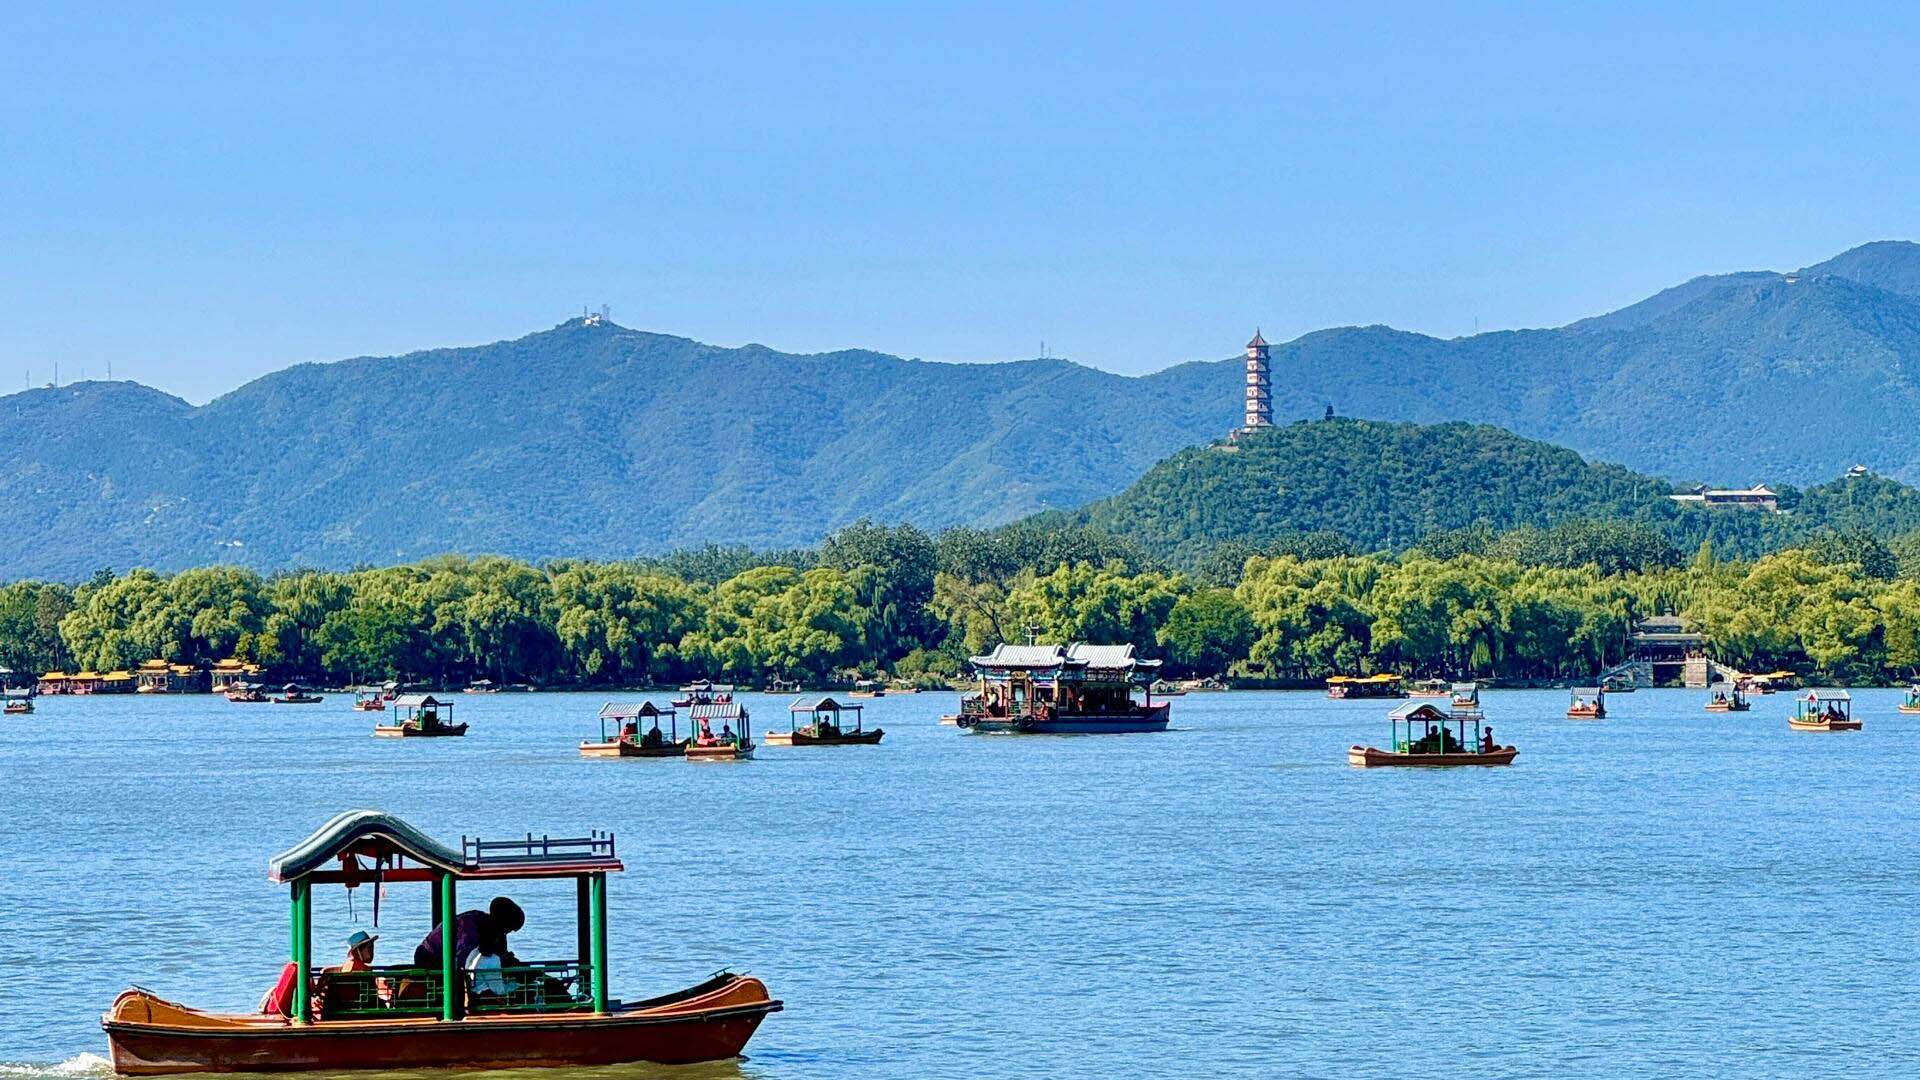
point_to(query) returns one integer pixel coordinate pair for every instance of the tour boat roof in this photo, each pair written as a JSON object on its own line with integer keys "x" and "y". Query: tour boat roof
{"x": 1829, "y": 695}
{"x": 715, "y": 710}
{"x": 825, "y": 704}
{"x": 1080, "y": 654}
{"x": 1586, "y": 691}
{"x": 1468, "y": 687}
{"x": 373, "y": 834}
{"x": 721, "y": 688}
{"x": 419, "y": 701}
{"x": 1417, "y": 710}
{"x": 612, "y": 711}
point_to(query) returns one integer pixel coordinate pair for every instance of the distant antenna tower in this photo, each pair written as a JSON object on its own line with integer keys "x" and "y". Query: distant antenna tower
{"x": 605, "y": 313}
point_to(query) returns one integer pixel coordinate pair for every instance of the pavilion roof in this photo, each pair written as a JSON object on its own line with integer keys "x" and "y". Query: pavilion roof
{"x": 375, "y": 834}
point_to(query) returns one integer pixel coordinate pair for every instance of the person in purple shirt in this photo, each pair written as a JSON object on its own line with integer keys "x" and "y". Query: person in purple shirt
{"x": 501, "y": 918}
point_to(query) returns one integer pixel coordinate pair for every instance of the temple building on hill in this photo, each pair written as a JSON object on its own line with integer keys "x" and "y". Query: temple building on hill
{"x": 1259, "y": 385}
{"x": 1758, "y": 497}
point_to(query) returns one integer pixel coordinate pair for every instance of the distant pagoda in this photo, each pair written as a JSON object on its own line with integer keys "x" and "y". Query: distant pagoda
{"x": 1259, "y": 385}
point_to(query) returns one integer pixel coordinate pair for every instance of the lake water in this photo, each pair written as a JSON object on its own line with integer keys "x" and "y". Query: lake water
{"x": 1663, "y": 893}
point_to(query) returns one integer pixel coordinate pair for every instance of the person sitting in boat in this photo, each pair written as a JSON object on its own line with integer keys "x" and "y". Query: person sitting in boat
{"x": 487, "y": 979}
{"x": 726, "y": 733}
{"x": 501, "y": 918}
{"x": 1437, "y": 740}
{"x": 653, "y": 736}
{"x": 705, "y": 737}
{"x": 350, "y": 993}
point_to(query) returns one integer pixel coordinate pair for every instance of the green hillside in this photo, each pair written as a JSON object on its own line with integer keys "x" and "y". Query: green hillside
{"x": 1381, "y": 485}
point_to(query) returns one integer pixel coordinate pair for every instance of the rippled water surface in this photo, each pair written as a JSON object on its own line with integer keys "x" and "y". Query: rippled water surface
{"x": 1663, "y": 893}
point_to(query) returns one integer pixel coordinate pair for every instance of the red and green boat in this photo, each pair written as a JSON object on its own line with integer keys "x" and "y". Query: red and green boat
{"x": 556, "y": 1013}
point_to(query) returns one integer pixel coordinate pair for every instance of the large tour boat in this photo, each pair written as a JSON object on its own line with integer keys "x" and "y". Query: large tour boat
{"x": 1383, "y": 685}
{"x": 557, "y": 1013}
{"x": 1049, "y": 690}
{"x": 1824, "y": 710}
{"x": 629, "y": 740}
{"x": 826, "y": 725}
{"x": 1436, "y": 745}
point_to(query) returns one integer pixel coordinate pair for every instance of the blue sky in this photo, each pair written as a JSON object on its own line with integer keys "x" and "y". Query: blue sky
{"x": 200, "y": 197}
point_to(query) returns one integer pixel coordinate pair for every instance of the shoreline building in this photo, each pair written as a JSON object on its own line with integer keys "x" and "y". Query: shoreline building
{"x": 1259, "y": 385}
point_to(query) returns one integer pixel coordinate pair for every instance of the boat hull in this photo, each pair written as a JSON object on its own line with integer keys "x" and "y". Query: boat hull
{"x": 407, "y": 731}
{"x": 1824, "y": 725}
{"x": 1370, "y": 757}
{"x": 709, "y": 1022}
{"x": 1714, "y": 707}
{"x": 725, "y": 752}
{"x": 1584, "y": 713}
{"x": 1148, "y": 718}
{"x": 623, "y": 748}
{"x": 1910, "y": 709}
{"x": 801, "y": 738}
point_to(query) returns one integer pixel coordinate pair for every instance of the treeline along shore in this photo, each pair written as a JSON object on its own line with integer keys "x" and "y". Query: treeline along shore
{"x": 874, "y": 600}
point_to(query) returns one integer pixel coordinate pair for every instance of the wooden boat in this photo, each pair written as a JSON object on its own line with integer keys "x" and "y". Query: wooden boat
{"x": 481, "y": 686}
{"x": 1167, "y": 689}
{"x": 1081, "y": 689}
{"x": 554, "y": 1014}
{"x": 420, "y": 716}
{"x": 1911, "y": 704}
{"x": 733, "y": 743}
{"x": 1208, "y": 685}
{"x": 369, "y": 699}
{"x": 1383, "y": 685}
{"x": 703, "y": 693}
{"x": 295, "y": 694}
{"x": 18, "y": 703}
{"x": 245, "y": 693}
{"x": 629, "y": 740}
{"x": 1589, "y": 703}
{"x": 777, "y": 685}
{"x": 867, "y": 688}
{"x": 1430, "y": 688}
{"x": 1824, "y": 710}
{"x": 1726, "y": 698}
{"x": 825, "y": 726}
{"x": 1436, "y": 746}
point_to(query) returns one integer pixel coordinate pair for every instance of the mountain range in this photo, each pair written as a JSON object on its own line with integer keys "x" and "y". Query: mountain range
{"x": 595, "y": 440}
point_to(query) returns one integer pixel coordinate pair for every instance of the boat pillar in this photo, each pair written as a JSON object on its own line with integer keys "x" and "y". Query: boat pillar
{"x": 450, "y": 988}
{"x": 598, "y": 887}
{"x": 302, "y": 950}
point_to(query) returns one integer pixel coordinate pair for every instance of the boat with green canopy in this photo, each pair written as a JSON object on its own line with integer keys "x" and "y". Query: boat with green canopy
{"x": 1824, "y": 710}
{"x": 1727, "y": 697}
{"x": 420, "y": 716}
{"x": 629, "y": 740}
{"x": 826, "y": 725}
{"x": 556, "y": 1013}
{"x": 1435, "y": 743}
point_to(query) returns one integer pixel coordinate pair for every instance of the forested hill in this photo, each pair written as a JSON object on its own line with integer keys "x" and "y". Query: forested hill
{"x": 1390, "y": 485}
{"x": 605, "y": 442}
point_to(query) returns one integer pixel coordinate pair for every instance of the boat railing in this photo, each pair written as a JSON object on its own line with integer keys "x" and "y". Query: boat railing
{"x": 536, "y": 849}
{"x": 556, "y": 986}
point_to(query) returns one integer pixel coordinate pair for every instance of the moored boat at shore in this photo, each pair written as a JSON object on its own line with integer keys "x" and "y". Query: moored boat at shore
{"x": 826, "y": 726}
{"x": 556, "y": 1013}
{"x": 1824, "y": 710}
{"x": 629, "y": 740}
{"x": 1381, "y": 685}
{"x": 1436, "y": 746}
{"x": 246, "y": 693}
{"x": 1080, "y": 689}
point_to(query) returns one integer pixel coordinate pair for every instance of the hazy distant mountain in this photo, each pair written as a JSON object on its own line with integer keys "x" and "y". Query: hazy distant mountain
{"x": 602, "y": 441}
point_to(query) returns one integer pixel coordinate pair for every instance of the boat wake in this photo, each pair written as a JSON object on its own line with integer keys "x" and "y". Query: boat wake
{"x": 77, "y": 1065}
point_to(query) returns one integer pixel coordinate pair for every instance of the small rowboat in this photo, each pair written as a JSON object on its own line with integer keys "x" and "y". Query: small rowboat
{"x": 19, "y": 703}
{"x": 420, "y": 716}
{"x": 1824, "y": 710}
{"x": 1589, "y": 703}
{"x": 557, "y": 1013}
{"x": 1436, "y": 746}
{"x": 629, "y": 740}
{"x": 826, "y": 726}
{"x": 1911, "y": 705}
{"x": 734, "y": 742}
{"x": 1727, "y": 698}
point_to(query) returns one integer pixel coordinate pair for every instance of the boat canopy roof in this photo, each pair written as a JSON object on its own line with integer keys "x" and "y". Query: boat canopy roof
{"x": 374, "y": 834}
{"x": 13, "y": 694}
{"x": 1383, "y": 677}
{"x": 418, "y": 701}
{"x": 1418, "y": 710}
{"x": 1466, "y": 688}
{"x": 1586, "y": 691}
{"x": 825, "y": 704}
{"x": 1829, "y": 695}
{"x": 1078, "y": 656}
{"x": 718, "y": 688}
{"x": 1775, "y": 675}
{"x": 613, "y": 711}
{"x": 1724, "y": 687}
{"x": 716, "y": 710}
